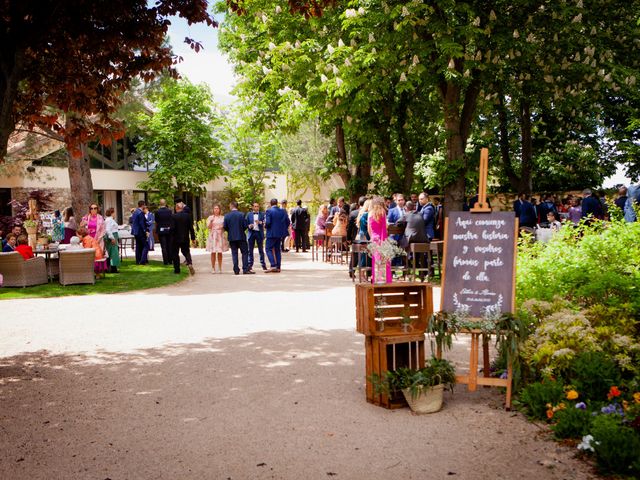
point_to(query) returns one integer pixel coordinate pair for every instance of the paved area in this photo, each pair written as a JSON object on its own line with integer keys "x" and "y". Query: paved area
{"x": 237, "y": 377}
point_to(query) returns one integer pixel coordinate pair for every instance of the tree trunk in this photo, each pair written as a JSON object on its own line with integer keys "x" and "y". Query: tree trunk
{"x": 457, "y": 124}
{"x": 362, "y": 177}
{"x": 343, "y": 169}
{"x": 505, "y": 146}
{"x": 12, "y": 67}
{"x": 526, "y": 184}
{"x": 81, "y": 183}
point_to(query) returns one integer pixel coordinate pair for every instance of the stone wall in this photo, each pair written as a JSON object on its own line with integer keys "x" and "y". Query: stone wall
{"x": 61, "y": 197}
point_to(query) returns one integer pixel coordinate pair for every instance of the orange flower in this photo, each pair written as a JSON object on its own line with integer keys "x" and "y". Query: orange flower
{"x": 636, "y": 397}
{"x": 572, "y": 395}
{"x": 550, "y": 414}
{"x": 613, "y": 392}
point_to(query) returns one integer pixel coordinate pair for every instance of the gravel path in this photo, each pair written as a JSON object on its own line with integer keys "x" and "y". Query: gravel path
{"x": 237, "y": 377}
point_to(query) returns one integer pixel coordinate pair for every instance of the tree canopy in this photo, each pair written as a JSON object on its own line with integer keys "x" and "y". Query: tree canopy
{"x": 78, "y": 57}
{"x": 180, "y": 139}
{"x": 402, "y": 81}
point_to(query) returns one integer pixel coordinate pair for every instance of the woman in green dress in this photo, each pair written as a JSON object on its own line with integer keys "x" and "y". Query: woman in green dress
{"x": 111, "y": 240}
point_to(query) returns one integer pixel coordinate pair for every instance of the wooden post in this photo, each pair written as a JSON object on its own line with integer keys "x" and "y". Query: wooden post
{"x": 481, "y": 205}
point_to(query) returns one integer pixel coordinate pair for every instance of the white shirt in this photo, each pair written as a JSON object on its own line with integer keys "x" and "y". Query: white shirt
{"x": 111, "y": 227}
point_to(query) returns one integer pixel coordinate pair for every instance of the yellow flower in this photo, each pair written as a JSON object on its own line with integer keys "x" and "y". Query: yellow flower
{"x": 636, "y": 397}
{"x": 625, "y": 405}
{"x": 572, "y": 395}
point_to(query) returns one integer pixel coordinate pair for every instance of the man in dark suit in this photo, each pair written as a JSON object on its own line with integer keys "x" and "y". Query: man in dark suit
{"x": 591, "y": 206}
{"x": 182, "y": 228}
{"x": 235, "y": 224}
{"x": 276, "y": 222}
{"x": 163, "y": 229}
{"x": 255, "y": 222}
{"x": 299, "y": 222}
{"x": 526, "y": 212}
{"x": 284, "y": 245}
{"x": 140, "y": 232}
{"x": 428, "y": 212}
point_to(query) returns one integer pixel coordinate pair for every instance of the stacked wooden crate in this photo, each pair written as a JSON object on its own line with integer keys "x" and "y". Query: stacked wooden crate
{"x": 393, "y": 317}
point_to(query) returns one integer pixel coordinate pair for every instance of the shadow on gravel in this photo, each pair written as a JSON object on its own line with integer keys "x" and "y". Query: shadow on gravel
{"x": 284, "y": 405}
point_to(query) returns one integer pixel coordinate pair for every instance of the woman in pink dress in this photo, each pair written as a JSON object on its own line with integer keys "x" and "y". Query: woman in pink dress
{"x": 377, "y": 225}
{"x": 216, "y": 241}
{"x": 94, "y": 223}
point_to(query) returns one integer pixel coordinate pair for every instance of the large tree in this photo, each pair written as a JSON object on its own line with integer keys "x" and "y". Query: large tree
{"x": 180, "y": 139}
{"x": 64, "y": 65}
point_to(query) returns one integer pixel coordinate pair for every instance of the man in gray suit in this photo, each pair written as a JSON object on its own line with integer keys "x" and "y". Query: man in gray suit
{"x": 415, "y": 232}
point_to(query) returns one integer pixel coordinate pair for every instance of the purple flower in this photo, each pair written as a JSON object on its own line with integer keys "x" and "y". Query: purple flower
{"x": 581, "y": 405}
{"x": 504, "y": 374}
{"x": 612, "y": 408}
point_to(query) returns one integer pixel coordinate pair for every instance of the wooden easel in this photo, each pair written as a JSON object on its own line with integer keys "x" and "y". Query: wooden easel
{"x": 471, "y": 379}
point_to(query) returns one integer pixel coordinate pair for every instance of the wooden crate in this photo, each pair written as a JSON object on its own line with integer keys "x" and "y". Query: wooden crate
{"x": 392, "y": 301}
{"x": 388, "y": 353}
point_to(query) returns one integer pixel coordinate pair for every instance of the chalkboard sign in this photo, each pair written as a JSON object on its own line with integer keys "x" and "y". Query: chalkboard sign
{"x": 479, "y": 272}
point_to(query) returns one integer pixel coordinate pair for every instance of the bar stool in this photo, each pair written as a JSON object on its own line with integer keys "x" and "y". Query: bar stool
{"x": 423, "y": 249}
{"x": 336, "y": 248}
{"x": 319, "y": 241}
{"x": 359, "y": 251}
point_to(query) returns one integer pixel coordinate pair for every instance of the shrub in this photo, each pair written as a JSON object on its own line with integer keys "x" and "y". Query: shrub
{"x": 536, "y": 397}
{"x": 557, "y": 340}
{"x": 202, "y": 232}
{"x": 617, "y": 447}
{"x": 593, "y": 373}
{"x": 572, "y": 422}
{"x": 587, "y": 266}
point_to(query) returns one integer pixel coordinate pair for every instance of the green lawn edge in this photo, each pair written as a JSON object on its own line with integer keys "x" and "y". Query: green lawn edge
{"x": 131, "y": 278}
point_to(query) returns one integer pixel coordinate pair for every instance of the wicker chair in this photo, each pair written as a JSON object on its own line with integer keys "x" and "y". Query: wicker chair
{"x": 76, "y": 266}
{"x": 19, "y": 272}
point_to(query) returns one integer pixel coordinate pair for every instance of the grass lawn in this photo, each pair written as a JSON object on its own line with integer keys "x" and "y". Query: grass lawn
{"x": 131, "y": 277}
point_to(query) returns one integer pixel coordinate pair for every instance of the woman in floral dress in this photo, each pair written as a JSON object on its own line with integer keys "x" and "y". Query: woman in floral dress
{"x": 216, "y": 241}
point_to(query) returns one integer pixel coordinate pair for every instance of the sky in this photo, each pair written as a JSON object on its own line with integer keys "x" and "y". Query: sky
{"x": 208, "y": 65}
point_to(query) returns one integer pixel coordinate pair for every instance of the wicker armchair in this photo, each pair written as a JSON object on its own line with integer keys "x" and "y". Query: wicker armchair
{"x": 19, "y": 272}
{"x": 76, "y": 266}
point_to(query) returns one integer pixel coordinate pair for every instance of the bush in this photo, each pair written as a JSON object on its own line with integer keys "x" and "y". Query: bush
{"x": 586, "y": 265}
{"x": 593, "y": 373}
{"x": 572, "y": 422}
{"x": 536, "y": 397}
{"x": 202, "y": 232}
{"x": 617, "y": 447}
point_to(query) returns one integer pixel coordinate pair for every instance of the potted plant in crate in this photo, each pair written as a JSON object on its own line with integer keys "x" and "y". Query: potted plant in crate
{"x": 422, "y": 388}
{"x": 31, "y": 226}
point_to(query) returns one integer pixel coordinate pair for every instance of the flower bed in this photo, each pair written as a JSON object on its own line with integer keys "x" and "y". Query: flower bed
{"x": 579, "y": 296}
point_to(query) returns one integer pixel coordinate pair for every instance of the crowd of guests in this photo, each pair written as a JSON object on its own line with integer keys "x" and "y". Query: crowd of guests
{"x": 551, "y": 211}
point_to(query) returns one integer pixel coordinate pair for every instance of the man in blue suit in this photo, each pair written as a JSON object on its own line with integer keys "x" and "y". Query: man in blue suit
{"x": 140, "y": 231}
{"x": 277, "y": 224}
{"x": 235, "y": 224}
{"x": 428, "y": 212}
{"x": 255, "y": 221}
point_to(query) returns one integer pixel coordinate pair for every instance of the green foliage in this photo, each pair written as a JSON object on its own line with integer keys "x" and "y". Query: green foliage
{"x": 303, "y": 159}
{"x": 587, "y": 266}
{"x": 202, "y": 232}
{"x": 252, "y": 155}
{"x": 617, "y": 447}
{"x": 593, "y": 373}
{"x": 179, "y": 139}
{"x": 572, "y": 422}
{"x": 536, "y": 397}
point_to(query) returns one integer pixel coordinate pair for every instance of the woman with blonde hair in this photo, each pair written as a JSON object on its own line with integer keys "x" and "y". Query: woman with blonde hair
{"x": 216, "y": 241}
{"x": 377, "y": 227}
{"x": 321, "y": 220}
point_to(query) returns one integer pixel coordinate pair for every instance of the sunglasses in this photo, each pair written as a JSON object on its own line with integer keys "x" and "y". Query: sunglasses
{"x": 94, "y": 208}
